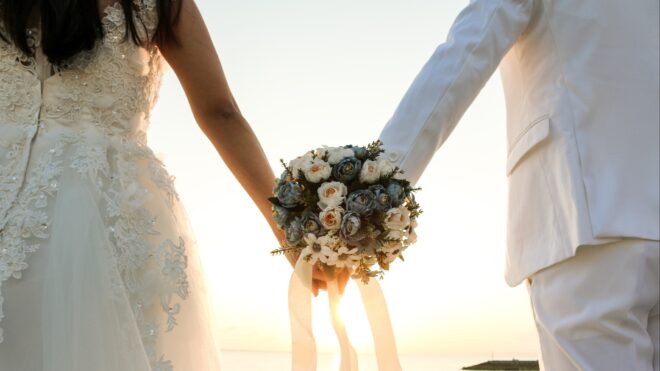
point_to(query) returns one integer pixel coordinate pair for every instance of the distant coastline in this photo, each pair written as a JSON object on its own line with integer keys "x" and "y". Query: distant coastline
{"x": 242, "y": 360}
{"x": 513, "y": 364}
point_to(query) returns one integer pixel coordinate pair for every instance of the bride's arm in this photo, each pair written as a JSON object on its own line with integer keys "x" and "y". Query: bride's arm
{"x": 196, "y": 64}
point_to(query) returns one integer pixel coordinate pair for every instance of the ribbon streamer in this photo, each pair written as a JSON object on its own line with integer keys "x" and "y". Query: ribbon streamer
{"x": 300, "y": 314}
{"x": 302, "y": 336}
{"x": 348, "y": 356}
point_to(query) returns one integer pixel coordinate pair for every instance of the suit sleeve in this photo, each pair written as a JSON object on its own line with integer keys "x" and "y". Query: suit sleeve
{"x": 445, "y": 87}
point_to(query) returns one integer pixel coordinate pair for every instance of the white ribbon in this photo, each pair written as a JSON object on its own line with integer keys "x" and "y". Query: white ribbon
{"x": 300, "y": 313}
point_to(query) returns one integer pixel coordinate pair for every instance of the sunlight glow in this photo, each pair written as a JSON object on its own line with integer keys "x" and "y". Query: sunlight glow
{"x": 312, "y": 73}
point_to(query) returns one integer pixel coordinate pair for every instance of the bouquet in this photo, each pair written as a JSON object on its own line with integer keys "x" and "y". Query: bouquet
{"x": 346, "y": 208}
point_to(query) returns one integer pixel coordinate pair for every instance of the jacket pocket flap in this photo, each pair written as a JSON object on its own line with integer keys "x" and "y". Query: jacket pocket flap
{"x": 530, "y": 137}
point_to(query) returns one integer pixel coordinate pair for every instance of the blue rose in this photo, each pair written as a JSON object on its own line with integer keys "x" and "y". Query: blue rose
{"x": 362, "y": 202}
{"x": 279, "y": 182}
{"x": 383, "y": 199}
{"x": 281, "y": 216}
{"x": 291, "y": 194}
{"x": 397, "y": 193}
{"x": 347, "y": 169}
{"x": 360, "y": 152}
{"x": 294, "y": 232}
{"x": 312, "y": 224}
{"x": 351, "y": 228}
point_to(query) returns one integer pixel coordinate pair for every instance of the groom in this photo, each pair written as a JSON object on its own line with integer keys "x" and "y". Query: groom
{"x": 582, "y": 92}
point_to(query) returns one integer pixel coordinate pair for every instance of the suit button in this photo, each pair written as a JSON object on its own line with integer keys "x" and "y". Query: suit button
{"x": 393, "y": 156}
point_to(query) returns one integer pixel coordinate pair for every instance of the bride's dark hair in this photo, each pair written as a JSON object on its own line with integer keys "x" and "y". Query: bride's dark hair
{"x": 71, "y": 26}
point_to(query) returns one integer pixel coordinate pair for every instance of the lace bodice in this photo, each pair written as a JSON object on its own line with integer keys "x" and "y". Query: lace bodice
{"x": 114, "y": 84}
{"x": 112, "y": 87}
{"x": 90, "y": 118}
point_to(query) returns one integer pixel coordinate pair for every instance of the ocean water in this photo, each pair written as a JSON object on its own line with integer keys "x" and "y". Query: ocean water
{"x": 267, "y": 361}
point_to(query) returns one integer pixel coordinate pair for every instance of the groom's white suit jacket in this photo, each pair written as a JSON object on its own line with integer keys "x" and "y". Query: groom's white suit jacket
{"x": 582, "y": 94}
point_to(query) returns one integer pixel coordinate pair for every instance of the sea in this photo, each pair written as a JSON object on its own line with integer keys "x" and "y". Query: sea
{"x": 274, "y": 361}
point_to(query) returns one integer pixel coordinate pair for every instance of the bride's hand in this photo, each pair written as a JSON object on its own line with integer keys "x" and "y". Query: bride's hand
{"x": 321, "y": 279}
{"x": 318, "y": 277}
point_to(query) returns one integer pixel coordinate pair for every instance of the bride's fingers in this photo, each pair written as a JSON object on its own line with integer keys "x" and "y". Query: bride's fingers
{"x": 342, "y": 279}
{"x": 317, "y": 286}
{"x": 318, "y": 274}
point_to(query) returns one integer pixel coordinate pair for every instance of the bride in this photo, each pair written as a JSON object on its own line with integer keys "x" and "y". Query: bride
{"x": 98, "y": 270}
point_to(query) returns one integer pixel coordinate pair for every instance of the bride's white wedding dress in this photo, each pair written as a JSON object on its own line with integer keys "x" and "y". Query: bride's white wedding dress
{"x": 98, "y": 271}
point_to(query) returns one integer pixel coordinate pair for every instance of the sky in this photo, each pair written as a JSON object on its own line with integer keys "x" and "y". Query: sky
{"x": 311, "y": 73}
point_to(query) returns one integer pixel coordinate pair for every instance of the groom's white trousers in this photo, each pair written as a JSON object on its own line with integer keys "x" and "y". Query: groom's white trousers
{"x": 600, "y": 309}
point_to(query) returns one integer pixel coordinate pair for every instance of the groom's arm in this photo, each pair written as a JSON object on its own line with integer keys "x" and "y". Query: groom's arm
{"x": 449, "y": 82}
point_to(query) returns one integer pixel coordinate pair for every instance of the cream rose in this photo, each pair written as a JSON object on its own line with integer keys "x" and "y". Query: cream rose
{"x": 299, "y": 163}
{"x": 317, "y": 170}
{"x": 335, "y": 155}
{"x": 385, "y": 167}
{"x": 397, "y": 218}
{"x": 331, "y": 218}
{"x": 331, "y": 194}
{"x": 370, "y": 172}
{"x": 322, "y": 151}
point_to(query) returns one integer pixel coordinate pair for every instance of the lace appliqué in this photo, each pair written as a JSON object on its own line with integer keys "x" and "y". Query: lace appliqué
{"x": 173, "y": 261}
{"x": 27, "y": 223}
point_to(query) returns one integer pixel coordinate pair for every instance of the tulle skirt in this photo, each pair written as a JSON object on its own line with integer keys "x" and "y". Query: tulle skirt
{"x": 90, "y": 301}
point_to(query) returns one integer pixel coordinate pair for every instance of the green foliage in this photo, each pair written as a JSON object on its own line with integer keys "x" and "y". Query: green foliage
{"x": 374, "y": 149}
{"x": 285, "y": 250}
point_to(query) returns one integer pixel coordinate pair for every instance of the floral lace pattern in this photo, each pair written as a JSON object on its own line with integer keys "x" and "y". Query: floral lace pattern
{"x": 90, "y": 118}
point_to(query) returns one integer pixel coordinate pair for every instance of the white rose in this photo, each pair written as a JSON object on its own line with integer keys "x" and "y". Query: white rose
{"x": 369, "y": 173}
{"x": 331, "y": 218}
{"x": 317, "y": 170}
{"x": 322, "y": 151}
{"x": 397, "y": 218}
{"x": 337, "y": 154}
{"x": 298, "y": 164}
{"x": 385, "y": 167}
{"x": 331, "y": 194}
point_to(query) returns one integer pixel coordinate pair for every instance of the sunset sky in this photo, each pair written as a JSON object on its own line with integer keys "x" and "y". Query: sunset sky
{"x": 310, "y": 73}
